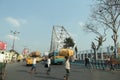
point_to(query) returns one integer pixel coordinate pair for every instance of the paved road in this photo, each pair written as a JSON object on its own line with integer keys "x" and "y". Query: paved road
{"x": 18, "y": 71}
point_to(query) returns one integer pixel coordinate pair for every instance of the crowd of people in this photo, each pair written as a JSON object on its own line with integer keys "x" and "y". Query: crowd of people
{"x": 87, "y": 64}
{"x": 109, "y": 63}
{"x": 48, "y": 66}
{"x": 34, "y": 65}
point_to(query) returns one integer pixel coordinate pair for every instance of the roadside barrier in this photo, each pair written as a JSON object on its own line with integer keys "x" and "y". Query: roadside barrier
{"x": 98, "y": 64}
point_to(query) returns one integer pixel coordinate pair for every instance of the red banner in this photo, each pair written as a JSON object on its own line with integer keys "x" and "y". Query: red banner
{"x": 3, "y": 45}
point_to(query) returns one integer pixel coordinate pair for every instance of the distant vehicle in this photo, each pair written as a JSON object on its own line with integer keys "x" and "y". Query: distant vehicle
{"x": 29, "y": 61}
{"x": 58, "y": 57}
{"x": 19, "y": 58}
{"x": 36, "y": 54}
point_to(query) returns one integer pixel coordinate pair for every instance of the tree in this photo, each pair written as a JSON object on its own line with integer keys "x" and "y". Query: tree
{"x": 100, "y": 38}
{"x": 69, "y": 42}
{"x": 107, "y": 13}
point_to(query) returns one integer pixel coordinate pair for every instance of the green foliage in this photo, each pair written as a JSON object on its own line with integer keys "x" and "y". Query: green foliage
{"x": 69, "y": 42}
{"x": 111, "y": 48}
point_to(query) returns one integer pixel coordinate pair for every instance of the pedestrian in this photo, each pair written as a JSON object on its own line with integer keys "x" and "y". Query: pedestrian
{"x": 112, "y": 63}
{"x": 33, "y": 65}
{"x": 49, "y": 65}
{"x": 107, "y": 62}
{"x": 2, "y": 57}
{"x": 3, "y": 65}
{"x": 67, "y": 68}
{"x": 87, "y": 63}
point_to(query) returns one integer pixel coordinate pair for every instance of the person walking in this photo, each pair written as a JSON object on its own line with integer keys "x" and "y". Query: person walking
{"x": 33, "y": 65}
{"x": 49, "y": 65}
{"x": 87, "y": 64}
{"x": 67, "y": 67}
{"x": 2, "y": 66}
{"x": 112, "y": 65}
{"x": 2, "y": 57}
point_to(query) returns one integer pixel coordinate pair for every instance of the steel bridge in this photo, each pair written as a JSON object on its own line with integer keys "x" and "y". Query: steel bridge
{"x": 59, "y": 34}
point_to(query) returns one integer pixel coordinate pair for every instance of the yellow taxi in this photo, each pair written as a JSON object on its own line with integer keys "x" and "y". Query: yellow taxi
{"x": 29, "y": 61}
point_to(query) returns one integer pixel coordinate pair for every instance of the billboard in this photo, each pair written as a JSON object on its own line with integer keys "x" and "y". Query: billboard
{"x": 25, "y": 51}
{"x": 3, "y": 45}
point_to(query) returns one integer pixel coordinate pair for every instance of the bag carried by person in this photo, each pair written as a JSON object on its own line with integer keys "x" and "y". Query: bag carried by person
{"x": 46, "y": 65}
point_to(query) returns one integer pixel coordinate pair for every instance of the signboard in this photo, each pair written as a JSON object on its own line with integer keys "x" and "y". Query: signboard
{"x": 3, "y": 45}
{"x": 25, "y": 51}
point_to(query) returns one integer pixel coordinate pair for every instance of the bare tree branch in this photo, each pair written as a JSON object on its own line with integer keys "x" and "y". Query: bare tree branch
{"x": 107, "y": 12}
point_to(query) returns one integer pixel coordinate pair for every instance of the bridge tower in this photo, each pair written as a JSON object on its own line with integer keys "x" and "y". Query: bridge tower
{"x": 59, "y": 34}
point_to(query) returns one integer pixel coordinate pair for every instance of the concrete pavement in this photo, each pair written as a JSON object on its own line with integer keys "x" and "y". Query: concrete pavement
{"x": 18, "y": 71}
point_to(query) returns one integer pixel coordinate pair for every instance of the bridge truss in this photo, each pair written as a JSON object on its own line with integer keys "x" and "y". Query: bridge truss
{"x": 59, "y": 34}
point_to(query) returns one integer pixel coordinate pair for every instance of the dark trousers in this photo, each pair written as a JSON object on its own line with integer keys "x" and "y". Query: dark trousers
{"x": 111, "y": 66}
{"x": 49, "y": 69}
{"x": 33, "y": 67}
{"x": 67, "y": 74}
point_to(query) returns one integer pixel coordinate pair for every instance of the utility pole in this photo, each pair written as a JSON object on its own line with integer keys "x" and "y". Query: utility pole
{"x": 14, "y": 37}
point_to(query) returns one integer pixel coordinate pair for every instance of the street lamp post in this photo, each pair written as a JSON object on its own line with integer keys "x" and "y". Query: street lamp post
{"x": 14, "y": 33}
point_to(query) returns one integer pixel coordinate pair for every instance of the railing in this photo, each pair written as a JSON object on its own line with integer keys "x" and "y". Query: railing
{"x": 99, "y": 64}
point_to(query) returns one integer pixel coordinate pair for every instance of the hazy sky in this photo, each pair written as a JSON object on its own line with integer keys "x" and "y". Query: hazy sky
{"x": 34, "y": 20}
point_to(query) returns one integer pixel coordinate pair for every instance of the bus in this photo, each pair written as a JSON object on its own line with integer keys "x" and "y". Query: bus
{"x": 56, "y": 58}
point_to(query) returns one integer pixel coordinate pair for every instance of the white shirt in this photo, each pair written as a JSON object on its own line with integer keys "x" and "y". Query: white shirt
{"x": 34, "y": 60}
{"x": 2, "y": 57}
{"x": 67, "y": 64}
{"x": 48, "y": 61}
